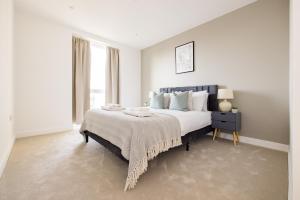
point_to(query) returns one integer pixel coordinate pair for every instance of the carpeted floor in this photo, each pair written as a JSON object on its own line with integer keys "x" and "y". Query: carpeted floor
{"x": 61, "y": 167}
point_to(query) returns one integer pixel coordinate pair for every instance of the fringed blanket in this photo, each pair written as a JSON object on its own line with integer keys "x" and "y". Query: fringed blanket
{"x": 140, "y": 139}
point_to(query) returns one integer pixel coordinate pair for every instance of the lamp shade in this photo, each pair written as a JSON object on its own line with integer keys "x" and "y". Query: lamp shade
{"x": 225, "y": 94}
{"x": 151, "y": 94}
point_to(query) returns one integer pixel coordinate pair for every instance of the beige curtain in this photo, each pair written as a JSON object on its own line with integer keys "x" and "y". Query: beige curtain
{"x": 112, "y": 76}
{"x": 81, "y": 78}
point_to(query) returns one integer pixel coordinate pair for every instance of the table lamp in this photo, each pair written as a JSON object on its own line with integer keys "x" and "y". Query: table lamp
{"x": 225, "y": 94}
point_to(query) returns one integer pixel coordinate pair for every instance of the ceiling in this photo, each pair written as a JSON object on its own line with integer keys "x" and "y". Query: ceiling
{"x": 136, "y": 23}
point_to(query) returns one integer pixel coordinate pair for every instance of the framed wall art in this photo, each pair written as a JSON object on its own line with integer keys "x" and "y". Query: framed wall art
{"x": 184, "y": 58}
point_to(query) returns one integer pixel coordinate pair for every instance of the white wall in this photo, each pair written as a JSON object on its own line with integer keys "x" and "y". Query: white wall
{"x": 6, "y": 80}
{"x": 43, "y": 74}
{"x": 130, "y": 77}
{"x": 294, "y": 187}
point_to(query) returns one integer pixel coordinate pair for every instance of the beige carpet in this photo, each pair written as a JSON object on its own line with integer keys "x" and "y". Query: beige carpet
{"x": 62, "y": 167}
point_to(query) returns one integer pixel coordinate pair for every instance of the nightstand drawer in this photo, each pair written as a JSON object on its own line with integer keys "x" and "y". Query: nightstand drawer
{"x": 227, "y": 125}
{"x": 224, "y": 116}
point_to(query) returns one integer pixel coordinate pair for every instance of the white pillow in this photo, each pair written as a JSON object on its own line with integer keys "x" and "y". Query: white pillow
{"x": 199, "y": 100}
{"x": 206, "y": 101}
{"x": 190, "y": 99}
{"x": 166, "y": 100}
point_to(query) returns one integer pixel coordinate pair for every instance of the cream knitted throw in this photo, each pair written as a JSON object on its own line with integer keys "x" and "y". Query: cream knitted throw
{"x": 140, "y": 139}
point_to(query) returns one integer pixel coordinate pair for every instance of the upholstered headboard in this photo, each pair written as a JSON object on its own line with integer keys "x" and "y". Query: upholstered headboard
{"x": 211, "y": 89}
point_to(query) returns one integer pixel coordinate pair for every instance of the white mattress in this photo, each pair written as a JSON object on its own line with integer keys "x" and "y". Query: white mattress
{"x": 189, "y": 120}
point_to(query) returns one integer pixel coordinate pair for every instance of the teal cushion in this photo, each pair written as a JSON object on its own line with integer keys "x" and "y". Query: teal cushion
{"x": 179, "y": 101}
{"x": 157, "y": 101}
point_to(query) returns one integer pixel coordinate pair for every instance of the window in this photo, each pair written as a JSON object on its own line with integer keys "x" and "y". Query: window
{"x": 98, "y": 59}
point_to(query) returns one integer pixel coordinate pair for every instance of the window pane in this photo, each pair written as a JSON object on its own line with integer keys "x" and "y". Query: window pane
{"x": 98, "y": 56}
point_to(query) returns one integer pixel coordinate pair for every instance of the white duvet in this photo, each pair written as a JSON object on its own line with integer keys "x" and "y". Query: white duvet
{"x": 189, "y": 120}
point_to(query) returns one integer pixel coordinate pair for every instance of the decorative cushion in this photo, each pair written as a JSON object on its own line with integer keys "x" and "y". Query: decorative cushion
{"x": 179, "y": 101}
{"x": 190, "y": 99}
{"x": 157, "y": 101}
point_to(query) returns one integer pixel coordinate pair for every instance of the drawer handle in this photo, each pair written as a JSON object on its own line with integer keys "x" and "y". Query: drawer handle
{"x": 223, "y": 113}
{"x": 223, "y": 121}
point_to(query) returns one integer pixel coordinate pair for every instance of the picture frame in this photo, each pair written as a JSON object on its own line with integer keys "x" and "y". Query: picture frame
{"x": 184, "y": 58}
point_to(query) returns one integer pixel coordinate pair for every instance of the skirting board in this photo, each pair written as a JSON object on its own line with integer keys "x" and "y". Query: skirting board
{"x": 290, "y": 165}
{"x": 6, "y": 156}
{"x": 257, "y": 142}
{"x": 41, "y": 132}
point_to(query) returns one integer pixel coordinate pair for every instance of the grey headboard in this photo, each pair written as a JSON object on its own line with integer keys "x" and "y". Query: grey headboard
{"x": 211, "y": 89}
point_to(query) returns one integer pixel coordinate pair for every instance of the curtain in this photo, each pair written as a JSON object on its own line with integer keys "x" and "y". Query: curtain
{"x": 81, "y": 78}
{"x": 112, "y": 76}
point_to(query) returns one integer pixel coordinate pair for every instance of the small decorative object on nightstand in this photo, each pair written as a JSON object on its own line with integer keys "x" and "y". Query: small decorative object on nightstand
{"x": 225, "y": 94}
{"x": 227, "y": 121}
{"x": 234, "y": 110}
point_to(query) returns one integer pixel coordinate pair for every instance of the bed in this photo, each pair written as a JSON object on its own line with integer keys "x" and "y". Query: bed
{"x": 193, "y": 124}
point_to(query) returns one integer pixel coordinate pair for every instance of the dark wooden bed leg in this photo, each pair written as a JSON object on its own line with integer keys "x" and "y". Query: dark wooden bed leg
{"x": 86, "y": 138}
{"x": 187, "y": 146}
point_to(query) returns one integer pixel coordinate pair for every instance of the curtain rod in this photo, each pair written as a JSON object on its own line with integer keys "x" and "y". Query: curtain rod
{"x": 90, "y": 39}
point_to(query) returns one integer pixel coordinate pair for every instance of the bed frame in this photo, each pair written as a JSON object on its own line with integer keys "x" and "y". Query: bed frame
{"x": 212, "y": 106}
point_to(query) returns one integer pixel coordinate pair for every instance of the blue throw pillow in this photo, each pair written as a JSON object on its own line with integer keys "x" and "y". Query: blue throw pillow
{"x": 179, "y": 101}
{"x": 157, "y": 101}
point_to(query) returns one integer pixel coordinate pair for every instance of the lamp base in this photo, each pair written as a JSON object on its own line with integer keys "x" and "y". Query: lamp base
{"x": 225, "y": 106}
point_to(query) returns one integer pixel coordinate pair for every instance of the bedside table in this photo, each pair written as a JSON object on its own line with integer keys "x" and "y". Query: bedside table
{"x": 228, "y": 121}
